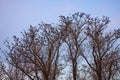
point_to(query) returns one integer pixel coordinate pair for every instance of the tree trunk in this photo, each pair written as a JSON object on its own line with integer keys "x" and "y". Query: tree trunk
{"x": 74, "y": 70}
{"x": 45, "y": 77}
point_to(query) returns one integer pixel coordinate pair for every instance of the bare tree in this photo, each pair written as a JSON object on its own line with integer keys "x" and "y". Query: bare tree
{"x": 102, "y": 54}
{"x": 92, "y": 52}
{"x": 36, "y": 54}
{"x": 73, "y": 28}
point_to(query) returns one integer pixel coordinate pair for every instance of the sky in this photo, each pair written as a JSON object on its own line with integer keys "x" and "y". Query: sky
{"x": 17, "y": 15}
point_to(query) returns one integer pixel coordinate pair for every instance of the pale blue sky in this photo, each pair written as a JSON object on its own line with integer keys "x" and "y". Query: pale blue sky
{"x": 16, "y": 15}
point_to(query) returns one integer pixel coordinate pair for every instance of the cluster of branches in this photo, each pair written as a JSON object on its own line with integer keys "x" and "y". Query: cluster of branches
{"x": 92, "y": 52}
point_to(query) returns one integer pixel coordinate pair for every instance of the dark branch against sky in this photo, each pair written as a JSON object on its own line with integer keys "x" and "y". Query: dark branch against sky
{"x": 18, "y": 15}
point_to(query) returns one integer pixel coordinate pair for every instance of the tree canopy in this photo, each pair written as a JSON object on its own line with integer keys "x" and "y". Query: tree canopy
{"x": 92, "y": 51}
